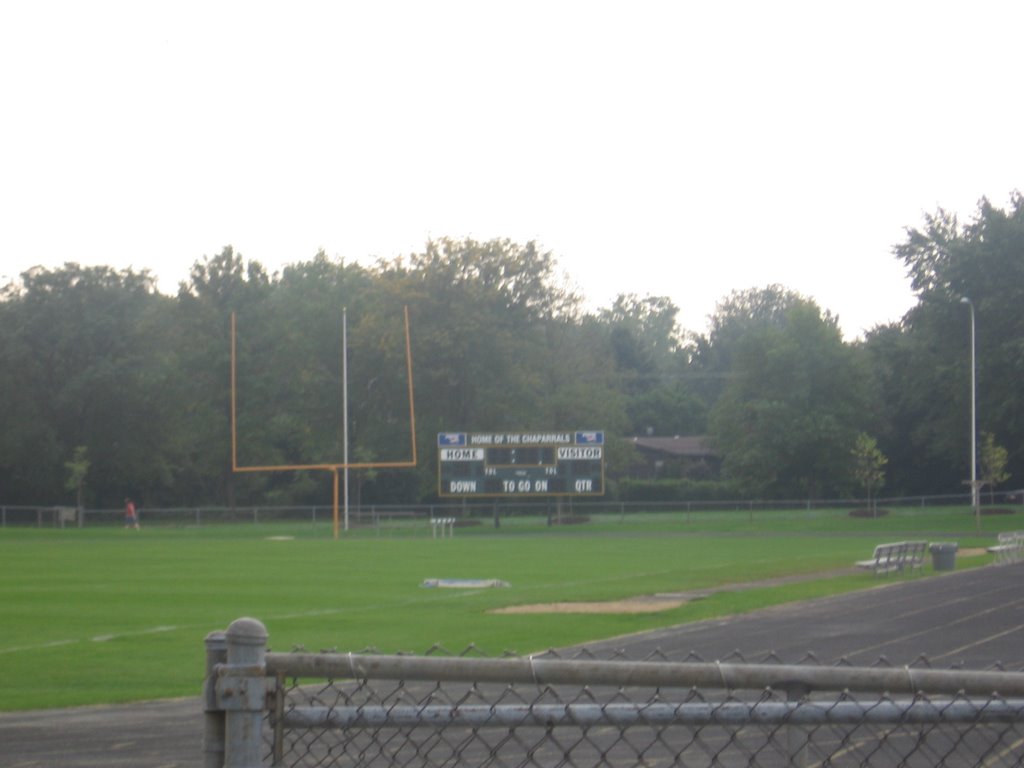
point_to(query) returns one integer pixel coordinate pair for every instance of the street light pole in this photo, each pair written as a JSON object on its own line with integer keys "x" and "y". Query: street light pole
{"x": 974, "y": 425}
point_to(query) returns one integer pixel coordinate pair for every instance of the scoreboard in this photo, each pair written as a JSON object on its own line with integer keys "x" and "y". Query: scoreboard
{"x": 520, "y": 464}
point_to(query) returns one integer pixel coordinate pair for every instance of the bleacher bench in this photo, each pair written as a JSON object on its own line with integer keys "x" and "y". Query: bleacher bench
{"x": 896, "y": 557}
{"x": 443, "y": 523}
{"x": 67, "y": 515}
{"x": 1009, "y": 549}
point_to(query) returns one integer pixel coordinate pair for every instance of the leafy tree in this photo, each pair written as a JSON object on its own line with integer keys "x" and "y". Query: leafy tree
{"x": 736, "y": 316}
{"x": 226, "y": 280}
{"x": 217, "y": 286}
{"x": 97, "y": 357}
{"x": 485, "y": 317}
{"x": 671, "y": 408}
{"x": 643, "y": 332}
{"x": 650, "y": 361}
{"x": 292, "y": 365}
{"x": 947, "y": 260}
{"x": 79, "y": 354}
{"x": 992, "y": 460}
{"x": 739, "y": 313}
{"x": 78, "y": 468}
{"x": 869, "y": 466}
{"x": 28, "y": 442}
{"x": 890, "y": 352}
{"x": 789, "y": 416}
{"x": 579, "y": 388}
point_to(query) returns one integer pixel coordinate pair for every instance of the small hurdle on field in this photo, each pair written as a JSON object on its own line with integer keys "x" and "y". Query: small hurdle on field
{"x": 444, "y": 524}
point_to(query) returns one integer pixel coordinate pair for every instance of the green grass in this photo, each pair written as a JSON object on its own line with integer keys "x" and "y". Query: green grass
{"x": 107, "y": 615}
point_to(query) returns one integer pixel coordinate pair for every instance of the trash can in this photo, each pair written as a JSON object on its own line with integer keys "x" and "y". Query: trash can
{"x": 944, "y": 555}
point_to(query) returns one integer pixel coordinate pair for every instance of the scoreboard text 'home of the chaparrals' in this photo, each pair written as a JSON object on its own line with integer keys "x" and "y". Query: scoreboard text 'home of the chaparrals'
{"x": 520, "y": 464}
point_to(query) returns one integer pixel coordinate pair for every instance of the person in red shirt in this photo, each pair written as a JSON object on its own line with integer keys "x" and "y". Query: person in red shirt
{"x": 131, "y": 516}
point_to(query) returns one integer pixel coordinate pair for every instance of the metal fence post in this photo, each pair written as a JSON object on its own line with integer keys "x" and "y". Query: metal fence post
{"x": 213, "y": 733}
{"x": 242, "y": 693}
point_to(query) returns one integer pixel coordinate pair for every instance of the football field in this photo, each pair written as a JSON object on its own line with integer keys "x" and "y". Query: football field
{"x": 109, "y": 615}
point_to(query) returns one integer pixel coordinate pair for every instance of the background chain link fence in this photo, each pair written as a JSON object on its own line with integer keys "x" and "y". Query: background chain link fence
{"x": 364, "y": 709}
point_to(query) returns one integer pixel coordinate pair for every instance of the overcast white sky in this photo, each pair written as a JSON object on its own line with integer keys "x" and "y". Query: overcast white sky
{"x": 664, "y": 148}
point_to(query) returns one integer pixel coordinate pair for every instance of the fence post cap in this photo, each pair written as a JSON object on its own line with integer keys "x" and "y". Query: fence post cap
{"x": 247, "y": 631}
{"x": 217, "y": 638}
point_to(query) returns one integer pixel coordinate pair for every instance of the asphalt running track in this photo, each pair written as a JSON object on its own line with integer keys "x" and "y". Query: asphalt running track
{"x": 972, "y": 618}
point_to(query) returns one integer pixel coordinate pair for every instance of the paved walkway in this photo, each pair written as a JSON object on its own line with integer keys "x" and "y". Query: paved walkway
{"x": 972, "y": 618}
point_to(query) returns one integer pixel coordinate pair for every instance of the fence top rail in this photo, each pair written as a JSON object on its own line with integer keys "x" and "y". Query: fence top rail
{"x": 658, "y": 674}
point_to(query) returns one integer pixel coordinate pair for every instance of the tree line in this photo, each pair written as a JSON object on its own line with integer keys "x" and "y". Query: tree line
{"x": 109, "y": 388}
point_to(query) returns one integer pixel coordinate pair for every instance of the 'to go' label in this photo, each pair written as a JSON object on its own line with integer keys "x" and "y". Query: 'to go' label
{"x": 524, "y": 486}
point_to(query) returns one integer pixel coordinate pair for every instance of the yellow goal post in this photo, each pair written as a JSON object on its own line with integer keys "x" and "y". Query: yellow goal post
{"x": 333, "y": 467}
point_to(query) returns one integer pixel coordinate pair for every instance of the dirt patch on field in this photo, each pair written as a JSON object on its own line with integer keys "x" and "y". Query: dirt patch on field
{"x": 668, "y": 601}
{"x": 663, "y": 601}
{"x": 633, "y": 605}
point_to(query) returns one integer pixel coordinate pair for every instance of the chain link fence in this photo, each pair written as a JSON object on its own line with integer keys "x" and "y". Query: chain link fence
{"x": 390, "y": 516}
{"x": 367, "y": 710}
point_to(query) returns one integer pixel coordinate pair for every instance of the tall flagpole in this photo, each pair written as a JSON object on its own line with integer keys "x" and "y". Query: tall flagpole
{"x": 975, "y": 495}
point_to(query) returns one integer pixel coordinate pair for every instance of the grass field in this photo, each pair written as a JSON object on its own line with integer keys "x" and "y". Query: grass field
{"x": 108, "y": 615}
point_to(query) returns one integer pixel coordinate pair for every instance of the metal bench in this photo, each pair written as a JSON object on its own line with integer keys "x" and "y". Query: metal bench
{"x": 1009, "y": 549}
{"x": 67, "y": 515}
{"x": 895, "y": 557}
{"x": 914, "y": 558}
{"x": 444, "y": 523}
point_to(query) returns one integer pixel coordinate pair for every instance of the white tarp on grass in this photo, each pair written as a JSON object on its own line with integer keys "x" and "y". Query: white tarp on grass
{"x": 464, "y": 583}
